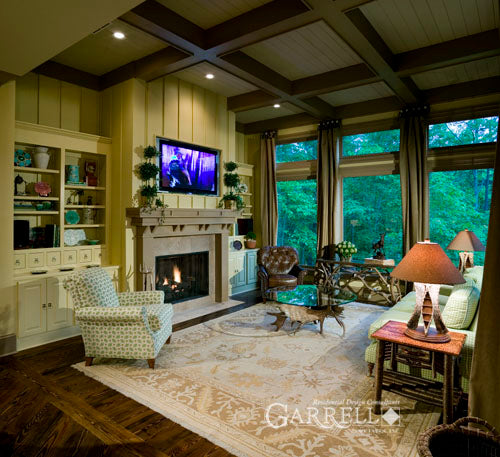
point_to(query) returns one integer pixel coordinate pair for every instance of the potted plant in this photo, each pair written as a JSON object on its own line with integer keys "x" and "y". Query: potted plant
{"x": 345, "y": 250}
{"x": 250, "y": 240}
{"x": 148, "y": 171}
{"x": 231, "y": 199}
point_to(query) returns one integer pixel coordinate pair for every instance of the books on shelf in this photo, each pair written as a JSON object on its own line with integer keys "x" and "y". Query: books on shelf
{"x": 52, "y": 236}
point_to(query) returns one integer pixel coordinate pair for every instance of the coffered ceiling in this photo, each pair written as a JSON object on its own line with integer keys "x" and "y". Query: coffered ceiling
{"x": 318, "y": 59}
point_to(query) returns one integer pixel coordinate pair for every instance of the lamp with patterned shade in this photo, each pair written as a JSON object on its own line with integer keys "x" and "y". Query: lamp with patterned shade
{"x": 427, "y": 265}
{"x": 467, "y": 242}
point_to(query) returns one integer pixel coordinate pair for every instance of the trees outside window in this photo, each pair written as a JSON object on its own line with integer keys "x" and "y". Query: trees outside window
{"x": 460, "y": 199}
{"x": 295, "y": 152}
{"x": 471, "y": 131}
{"x": 370, "y": 143}
{"x": 372, "y": 205}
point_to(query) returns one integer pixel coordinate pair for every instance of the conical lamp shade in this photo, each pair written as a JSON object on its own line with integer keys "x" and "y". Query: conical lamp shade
{"x": 466, "y": 241}
{"x": 427, "y": 263}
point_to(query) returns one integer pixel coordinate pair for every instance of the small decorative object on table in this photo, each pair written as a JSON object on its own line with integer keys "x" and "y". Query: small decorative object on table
{"x": 467, "y": 242}
{"x": 22, "y": 158}
{"x": 91, "y": 173}
{"x": 43, "y": 189}
{"x": 428, "y": 267}
{"x": 378, "y": 248}
{"x": 41, "y": 157}
{"x": 250, "y": 240}
{"x": 345, "y": 250}
{"x": 72, "y": 217}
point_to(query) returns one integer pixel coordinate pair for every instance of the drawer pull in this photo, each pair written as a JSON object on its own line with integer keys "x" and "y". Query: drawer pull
{"x": 53, "y": 259}
{"x": 70, "y": 257}
{"x": 44, "y": 305}
{"x": 18, "y": 262}
{"x": 49, "y": 305}
{"x": 36, "y": 260}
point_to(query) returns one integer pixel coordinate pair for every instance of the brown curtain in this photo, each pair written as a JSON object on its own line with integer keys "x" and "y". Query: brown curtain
{"x": 329, "y": 137}
{"x": 484, "y": 394}
{"x": 268, "y": 191}
{"x": 414, "y": 177}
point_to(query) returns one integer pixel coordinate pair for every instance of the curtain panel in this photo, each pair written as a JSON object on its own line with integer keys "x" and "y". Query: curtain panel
{"x": 414, "y": 176}
{"x": 268, "y": 191}
{"x": 329, "y": 226}
{"x": 484, "y": 396}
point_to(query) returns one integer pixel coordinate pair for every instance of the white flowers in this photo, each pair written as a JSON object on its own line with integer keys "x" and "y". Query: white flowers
{"x": 346, "y": 249}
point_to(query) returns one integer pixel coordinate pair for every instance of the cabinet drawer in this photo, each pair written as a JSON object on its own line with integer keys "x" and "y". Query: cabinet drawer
{"x": 36, "y": 260}
{"x": 69, "y": 257}
{"x": 97, "y": 255}
{"x": 53, "y": 258}
{"x": 85, "y": 255}
{"x": 19, "y": 261}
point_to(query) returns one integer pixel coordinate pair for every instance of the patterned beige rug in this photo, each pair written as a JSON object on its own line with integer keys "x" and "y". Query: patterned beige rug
{"x": 301, "y": 395}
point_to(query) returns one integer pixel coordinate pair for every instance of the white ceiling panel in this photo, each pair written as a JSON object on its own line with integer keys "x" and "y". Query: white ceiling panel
{"x": 303, "y": 52}
{"x": 408, "y": 24}
{"x": 461, "y": 73}
{"x": 268, "y": 112}
{"x": 206, "y": 14}
{"x": 101, "y": 52}
{"x": 358, "y": 94}
{"x": 223, "y": 83}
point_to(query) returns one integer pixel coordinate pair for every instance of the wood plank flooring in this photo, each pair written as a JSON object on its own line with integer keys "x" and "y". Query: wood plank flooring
{"x": 48, "y": 408}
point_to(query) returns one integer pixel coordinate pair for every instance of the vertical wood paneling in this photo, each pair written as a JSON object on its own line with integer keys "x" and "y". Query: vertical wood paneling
{"x": 231, "y": 140}
{"x": 185, "y": 111}
{"x": 70, "y": 106}
{"x": 198, "y": 201}
{"x": 49, "y": 101}
{"x": 27, "y": 98}
{"x": 105, "y": 112}
{"x": 210, "y": 117}
{"x": 185, "y": 201}
{"x": 211, "y": 202}
{"x": 198, "y": 115}
{"x": 171, "y": 107}
{"x": 89, "y": 111}
{"x": 155, "y": 110}
{"x": 240, "y": 148}
{"x": 171, "y": 200}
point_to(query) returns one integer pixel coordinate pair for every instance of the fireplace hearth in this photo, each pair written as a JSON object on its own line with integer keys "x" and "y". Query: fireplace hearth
{"x": 182, "y": 276}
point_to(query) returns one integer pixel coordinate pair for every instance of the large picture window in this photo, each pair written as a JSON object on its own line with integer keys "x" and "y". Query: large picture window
{"x": 370, "y": 143}
{"x": 471, "y": 131}
{"x": 460, "y": 199}
{"x": 295, "y": 152}
{"x": 297, "y": 217}
{"x": 372, "y": 206}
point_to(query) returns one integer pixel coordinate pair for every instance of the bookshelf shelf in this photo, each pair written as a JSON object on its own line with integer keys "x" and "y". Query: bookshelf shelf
{"x": 85, "y": 206}
{"x": 70, "y": 226}
{"x": 77, "y": 187}
{"x": 20, "y": 212}
{"x": 36, "y": 170}
{"x": 35, "y": 198}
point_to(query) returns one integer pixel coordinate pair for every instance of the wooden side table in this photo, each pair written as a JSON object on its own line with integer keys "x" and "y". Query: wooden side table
{"x": 394, "y": 345}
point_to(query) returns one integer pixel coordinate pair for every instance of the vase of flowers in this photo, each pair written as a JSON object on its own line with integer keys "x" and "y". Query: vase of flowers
{"x": 345, "y": 250}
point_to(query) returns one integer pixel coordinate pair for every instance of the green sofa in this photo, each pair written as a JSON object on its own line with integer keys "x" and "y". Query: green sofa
{"x": 401, "y": 312}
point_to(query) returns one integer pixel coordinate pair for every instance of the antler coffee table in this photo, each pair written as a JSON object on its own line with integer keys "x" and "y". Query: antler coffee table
{"x": 309, "y": 303}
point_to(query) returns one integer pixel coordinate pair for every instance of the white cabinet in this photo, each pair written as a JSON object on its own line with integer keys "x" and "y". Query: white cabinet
{"x": 242, "y": 271}
{"x": 59, "y": 312}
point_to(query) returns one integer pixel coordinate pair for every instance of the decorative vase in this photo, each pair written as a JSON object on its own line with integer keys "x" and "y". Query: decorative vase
{"x": 250, "y": 244}
{"x": 88, "y": 216}
{"x": 41, "y": 157}
{"x": 345, "y": 258}
{"x": 230, "y": 204}
{"x": 73, "y": 174}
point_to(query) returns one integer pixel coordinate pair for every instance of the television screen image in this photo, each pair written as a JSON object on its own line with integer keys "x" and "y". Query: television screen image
{"x": 186, "y": 168}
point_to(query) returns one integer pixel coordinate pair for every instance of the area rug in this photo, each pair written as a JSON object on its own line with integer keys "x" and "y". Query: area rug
{"x": 288, "y": 395}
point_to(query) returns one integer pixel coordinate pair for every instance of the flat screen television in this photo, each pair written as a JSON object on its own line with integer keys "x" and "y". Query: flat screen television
{"x": 187, "y": 168}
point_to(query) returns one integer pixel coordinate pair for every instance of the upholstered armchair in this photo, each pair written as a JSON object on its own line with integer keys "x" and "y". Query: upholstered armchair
{"x": 278, "y": 266}
{"x": 129, "y": 325}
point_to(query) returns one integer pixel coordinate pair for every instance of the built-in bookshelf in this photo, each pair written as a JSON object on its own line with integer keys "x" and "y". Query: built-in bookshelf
{"x": 245, "y": 170}
{"x": 52, "y": 233}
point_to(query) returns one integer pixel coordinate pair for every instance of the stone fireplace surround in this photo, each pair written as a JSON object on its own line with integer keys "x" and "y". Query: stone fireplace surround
{"x": 182, "y": 231}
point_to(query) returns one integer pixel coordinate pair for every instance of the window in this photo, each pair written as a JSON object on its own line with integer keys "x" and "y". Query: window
{"x": 372, "y": 205}
{"x": 459, "y": 200}
{"x": 294, "y": 152}
{"x": 297, "y": 217}
{"x": 370, "y": 143}
{"x": 472, "y": 131}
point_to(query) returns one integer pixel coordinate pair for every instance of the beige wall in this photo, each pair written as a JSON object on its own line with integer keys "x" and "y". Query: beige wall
{"x": 48, "y": 101}
{"x": 8, "y": 312}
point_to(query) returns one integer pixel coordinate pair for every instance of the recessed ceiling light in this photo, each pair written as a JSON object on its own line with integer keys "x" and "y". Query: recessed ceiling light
{"x": 276, "y": 105}
{"x": 119, "y": 35}
{"x": 209, "y": 76}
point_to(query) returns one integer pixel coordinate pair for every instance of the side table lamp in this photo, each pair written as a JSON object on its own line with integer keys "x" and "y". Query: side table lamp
{"x": 427, "y": 265}
{"x": 467, "y": 242}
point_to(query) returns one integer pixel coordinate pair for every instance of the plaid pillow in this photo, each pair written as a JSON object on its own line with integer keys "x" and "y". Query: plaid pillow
{"x": 461, "y": 305}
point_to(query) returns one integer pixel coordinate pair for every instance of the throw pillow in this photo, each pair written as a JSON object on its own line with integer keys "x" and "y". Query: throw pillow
{"x": 461, "y": 305}
{"x": 475, "y": 273}
{"x": 100, "y": 288}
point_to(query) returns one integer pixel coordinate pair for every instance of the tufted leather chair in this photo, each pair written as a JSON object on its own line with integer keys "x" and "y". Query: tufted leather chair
{"x": 278, "y": 266}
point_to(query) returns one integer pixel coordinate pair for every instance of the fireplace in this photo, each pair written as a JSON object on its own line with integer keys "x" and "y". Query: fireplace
{"x": 182, "y": 276}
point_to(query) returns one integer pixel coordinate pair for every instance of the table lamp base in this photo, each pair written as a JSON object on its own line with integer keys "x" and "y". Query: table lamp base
{"x": 432, "y": 335}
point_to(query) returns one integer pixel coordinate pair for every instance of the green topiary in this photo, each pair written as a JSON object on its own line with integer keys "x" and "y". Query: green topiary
{"x": 148, "y": 170}
{"x": 230, "y": 166}
{"x": 150, "y": 152}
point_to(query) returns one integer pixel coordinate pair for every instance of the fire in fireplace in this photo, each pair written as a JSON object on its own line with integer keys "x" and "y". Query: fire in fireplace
{"x": 182, "y": 276}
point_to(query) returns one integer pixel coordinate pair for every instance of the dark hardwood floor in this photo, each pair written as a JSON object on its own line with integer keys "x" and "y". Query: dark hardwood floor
{"x": 48, "y": 408}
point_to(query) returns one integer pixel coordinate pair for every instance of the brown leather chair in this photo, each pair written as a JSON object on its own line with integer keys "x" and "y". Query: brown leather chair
{"x": 278, "y": 266}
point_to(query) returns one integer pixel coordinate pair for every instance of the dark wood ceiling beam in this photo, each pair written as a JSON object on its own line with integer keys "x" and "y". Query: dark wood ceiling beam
{"x": 147, "y": 68}
{"x": 346, "y": 5}
{"x": 479, "y": 46}
{"x": 479, "y": 87}
{"x": 278, "y": 123}
{"x": 376, "y": 106}
{"x": 344, "y": 78}
{"x": 68, "y": 74}
{"x": 251, "y": 100}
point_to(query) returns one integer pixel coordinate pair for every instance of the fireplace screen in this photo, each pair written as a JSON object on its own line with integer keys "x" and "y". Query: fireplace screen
{"x": 182, "y": 276}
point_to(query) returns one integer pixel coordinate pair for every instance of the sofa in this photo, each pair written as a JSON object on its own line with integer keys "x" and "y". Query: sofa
{"x": 465, "y": 321}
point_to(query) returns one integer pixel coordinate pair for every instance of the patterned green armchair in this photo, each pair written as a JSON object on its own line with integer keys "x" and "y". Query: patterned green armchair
{"x": 128, "y": 325}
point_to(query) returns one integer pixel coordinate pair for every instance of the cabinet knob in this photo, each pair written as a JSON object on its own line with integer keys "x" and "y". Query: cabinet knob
{"x": 49, "y": 305}
{"x": 44, "y": 305}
